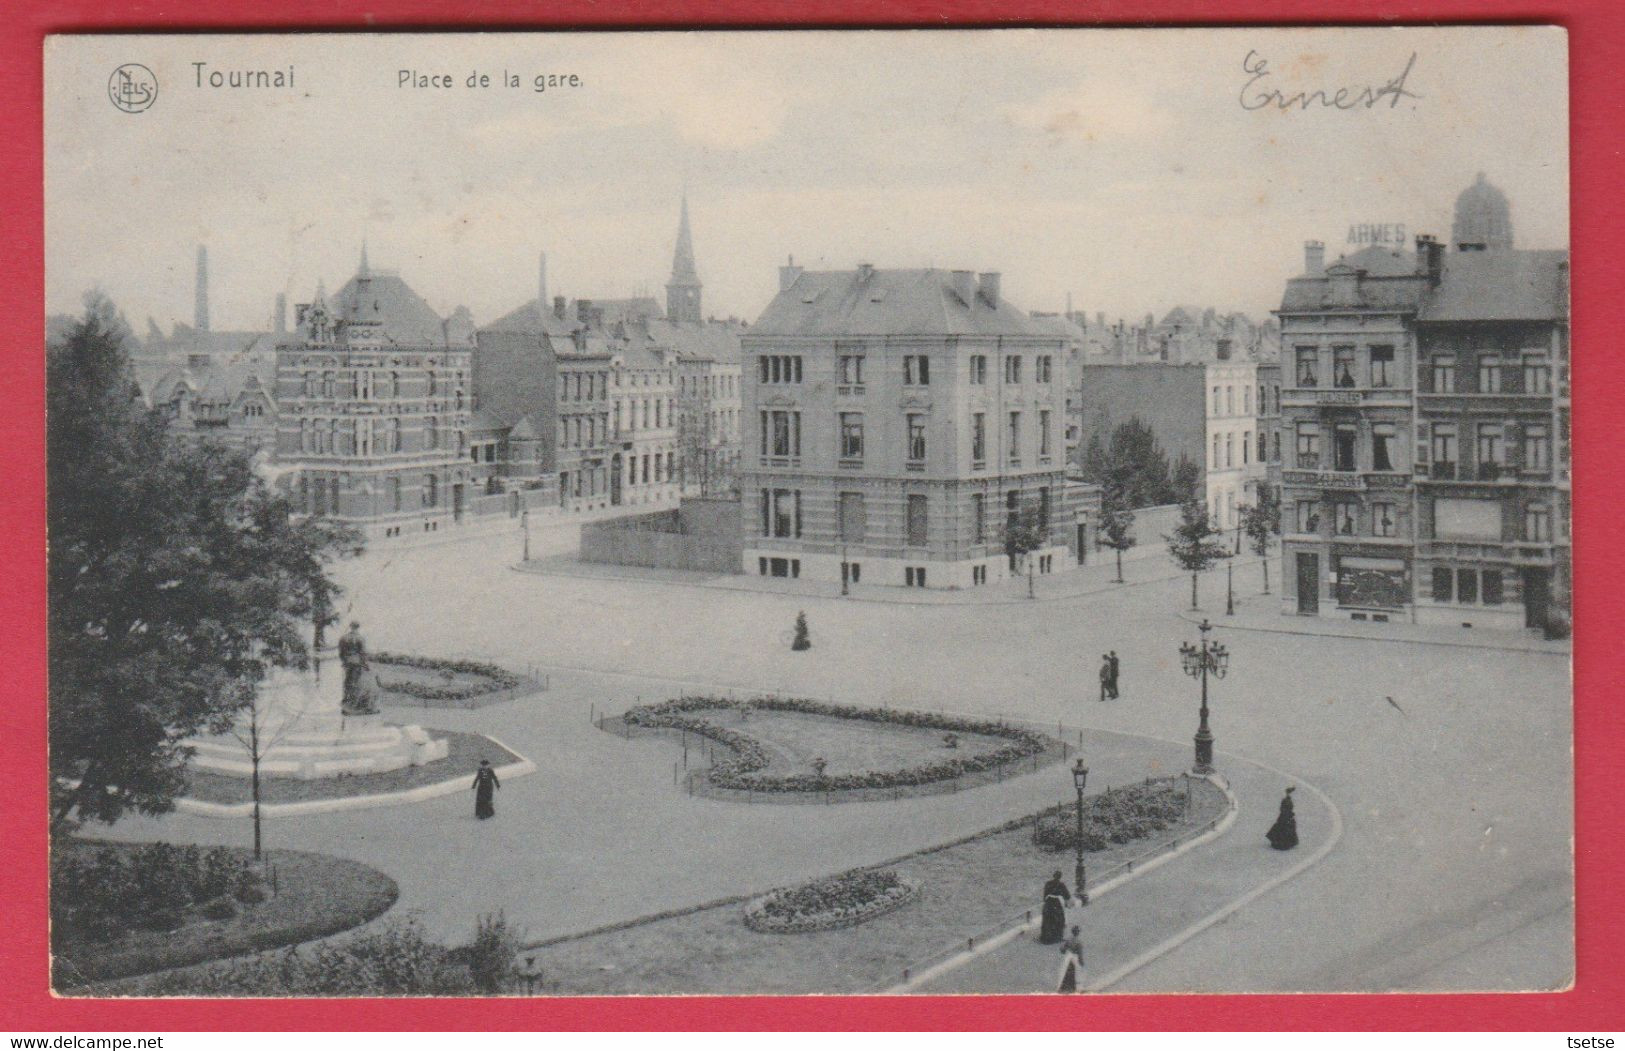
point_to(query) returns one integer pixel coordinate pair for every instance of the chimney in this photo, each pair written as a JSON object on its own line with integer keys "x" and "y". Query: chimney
{"x": 988, "y": 285}
{"x": 788, "y": 275}
{"x": 964, "y": 285}
{"x": 1314, "y": 258}
{"x": 541, "y": 283}
{"x": 200, "y": 315}
{"x": 1430, "y": 258}
{"x": 280, "y": 322}
{"x": 559, "y": 307}
{"x": 583, "y": 310}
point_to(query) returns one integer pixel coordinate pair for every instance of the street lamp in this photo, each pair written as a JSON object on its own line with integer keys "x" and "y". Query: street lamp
{"x": 1229, "y": 589}
{"x": 524, "y": 523}
{"x": 1199, "y": 660}
{"x": 1080, "y": 777}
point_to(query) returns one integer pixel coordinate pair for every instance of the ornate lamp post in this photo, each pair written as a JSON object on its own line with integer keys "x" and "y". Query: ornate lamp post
{"x": 1080, "y": 777}
{"x": 1199, "y": 660}
{"x": 1229, "y": 589}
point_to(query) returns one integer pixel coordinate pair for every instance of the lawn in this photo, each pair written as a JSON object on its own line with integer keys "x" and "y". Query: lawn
{"x": 464, "y": 752}
{"x": 794, "y": 739}
{"x": 317, "y": 895}
{"x": 969, "y": 888}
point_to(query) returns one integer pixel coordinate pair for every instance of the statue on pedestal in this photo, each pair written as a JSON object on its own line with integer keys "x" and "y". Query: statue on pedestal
{"x": 358, "y": 695}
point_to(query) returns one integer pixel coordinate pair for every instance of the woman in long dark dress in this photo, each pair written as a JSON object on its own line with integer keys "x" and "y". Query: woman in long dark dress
{"x": 1283, "y": 835}
{"x": 485, "y": 786}
{"x": 1054, "y": 916}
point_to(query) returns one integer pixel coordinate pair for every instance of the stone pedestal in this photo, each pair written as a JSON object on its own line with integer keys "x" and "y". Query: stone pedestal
{"x": 305, "y": 734}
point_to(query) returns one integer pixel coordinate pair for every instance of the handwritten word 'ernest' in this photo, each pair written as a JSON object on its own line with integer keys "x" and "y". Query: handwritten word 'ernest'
{"x": 1255, "y": 94}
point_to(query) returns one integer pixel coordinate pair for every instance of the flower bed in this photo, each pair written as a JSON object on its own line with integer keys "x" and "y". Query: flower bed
{"x": 492, "y": 678}
{"x": 1119, "y": 815}
{"x": 742, "y": 771}
{"x": 838, "y": 901}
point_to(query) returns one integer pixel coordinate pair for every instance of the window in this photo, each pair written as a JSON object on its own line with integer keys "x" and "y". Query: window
{"x": 1043, "y": 509}
{"x": 978, "y": 370}
{"x": 312, "y": 385}
{"x": 777, "y": 368}
{"x": 851, "y": 370}
{"x": 1537, "y": 376}
{"x": 1308, "y": 516}
{"x": 1229, "y": 450}
{"x": 851, "y": 435}
{"x": 1382, "y": 366}
{"x": 854, "y": 522}
{"x": 1308, "y": 367}
{"x": 916, "y": 520}
{"x": 1383, "y": 437}
{"x": 1275, "y": 447}
{"x": 1344, "y": 438}
{"x": 1216, "y": 401}
{"x": 978, "y": 518}
{"x": 1015, "y": 438}
{"x": 1443, "y": 585}
{"x": 1343, "y": 366}
{"x": 1382, "y": 519}
{"x": 1263, "y": 449}
{"x": 1466, "y": 586}
{"x": 1215, "y": 457}
{"x": 395, "y": 493}
{"x": 1489, "y": 374}
{"x": 1247, "y": 400}
{"x": 1491, "y": 450}
{"x": 916, "y": 370}
{"x": 1489, "y": 581}
{"x": 1246, "y": 447}
{"x": 1043, "y": 432}
{"x": 1309, "y": 445}
{"x": 1444, "y": 450}
{"x": 1444, "y": 374}
{"x": 916, "y": 437}
{"x": 431, "y": 491}
{"x": 1348, "y": 518}
{"x": 1537, "y": 523}
{"x": 781, "y": 432}
{"x": 1012, "y": 369}
{"x": 431, "y": 433}
{"x": 978, "y": 437}
{"x": 1229, "y": 401}
{"x": 781, "y": 512}
{"x": 1044, "y": 374}
{"x": 1537, "y": 448}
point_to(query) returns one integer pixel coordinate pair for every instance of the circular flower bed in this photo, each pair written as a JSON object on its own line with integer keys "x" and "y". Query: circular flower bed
{"x": 742, "y": 770}
{"x": 1119, "y": 815}
{"x": 828, "y": 904}
{"x": 491, "y": 677}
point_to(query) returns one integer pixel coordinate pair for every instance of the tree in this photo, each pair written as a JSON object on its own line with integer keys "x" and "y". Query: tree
{"x": 1187, "y": 481}
{"x": 175, "y": 579}
{"x": 1133, "y": 456}
{"x": 1191, "y": 543}
{"x": 1023, "y": 534}
{"x": 1116, "y": 525}
{"x": 1262, "y": 523}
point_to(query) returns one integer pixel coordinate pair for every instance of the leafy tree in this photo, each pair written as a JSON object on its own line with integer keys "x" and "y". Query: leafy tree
{"x": 1262, "y": 523}
{"x": 1023, "y": 534}
{"x": 175, "y": 579}
{"x": 1135, "y": 459}
{"x": 1191, "y": 544}
{"x": 1187, "y": 481}
{"x": 1116, "y": 521}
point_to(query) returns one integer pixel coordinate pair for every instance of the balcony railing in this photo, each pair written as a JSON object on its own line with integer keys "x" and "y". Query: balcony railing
{"x": 1442, "y": 470}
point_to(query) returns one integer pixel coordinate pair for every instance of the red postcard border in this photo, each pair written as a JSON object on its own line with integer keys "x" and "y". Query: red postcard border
{"x": 1597, "y": 53}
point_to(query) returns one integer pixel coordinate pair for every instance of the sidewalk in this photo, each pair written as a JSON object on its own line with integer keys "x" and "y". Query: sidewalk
{"x": 1143, "y": 918}
{"x": 1263, "y": 613}
{"x": 1068, "y": 584}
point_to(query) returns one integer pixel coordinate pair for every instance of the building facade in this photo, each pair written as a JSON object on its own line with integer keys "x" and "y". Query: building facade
{"x": 1268, "y": 400}
{"x": 374, "y": 401}
{"x": 894, "y": 422}
{"x": 1424, "y": 422}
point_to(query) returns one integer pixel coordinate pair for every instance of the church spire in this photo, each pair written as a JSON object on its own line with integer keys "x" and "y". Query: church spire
{"x": 683, "y": 290}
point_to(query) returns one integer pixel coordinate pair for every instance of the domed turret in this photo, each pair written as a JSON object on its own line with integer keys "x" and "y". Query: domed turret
{"x": 1483, "y": 219}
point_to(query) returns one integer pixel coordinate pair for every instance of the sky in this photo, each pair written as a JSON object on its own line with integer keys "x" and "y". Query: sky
{"x": 1124, "y": 171}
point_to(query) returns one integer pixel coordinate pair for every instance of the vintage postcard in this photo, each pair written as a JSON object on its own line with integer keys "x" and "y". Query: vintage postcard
{"x": 1019, "y": 511}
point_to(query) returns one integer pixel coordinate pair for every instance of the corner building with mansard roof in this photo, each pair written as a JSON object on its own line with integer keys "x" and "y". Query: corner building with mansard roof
{"x": 892, "y": 422}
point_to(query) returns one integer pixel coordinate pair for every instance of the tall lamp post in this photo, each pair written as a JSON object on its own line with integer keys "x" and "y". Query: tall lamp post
{"x": 1229, "y": 589}
{"x": 524, "y": 524}
{"x": 1080, "y": 777}
{"x": 1199, "y": 660}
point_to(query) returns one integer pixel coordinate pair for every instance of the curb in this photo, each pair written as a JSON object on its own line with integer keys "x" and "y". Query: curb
{"x": 1196, "y": 616}
{"x": 1226, "y": 911}
{"x": 1005, "y": 937}
{"x": 203, "y": 808}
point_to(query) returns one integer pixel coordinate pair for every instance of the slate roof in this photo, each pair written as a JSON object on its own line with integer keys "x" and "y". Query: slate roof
{"x": 888, "y": 303}
{"x": 383, "y": 297}
{"x": 1512, "y": 285}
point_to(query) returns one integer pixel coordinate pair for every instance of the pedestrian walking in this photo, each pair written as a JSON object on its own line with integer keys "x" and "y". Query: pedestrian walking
{"x": 485, "y": 786}
{"x": 1283, "y": 835}
{"x": 1105, "y": 676}
{"x": 1111, "y": 658}
{"x": 1053, "y": 926}
{"x": 1072, "y": 962}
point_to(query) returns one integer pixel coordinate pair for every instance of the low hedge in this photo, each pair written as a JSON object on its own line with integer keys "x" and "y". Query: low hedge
{"x": 827, "y": 904}
{"x": 741, "y": 771}
{"x": 497, "y": 678}
{"x": 1119, "y": 815}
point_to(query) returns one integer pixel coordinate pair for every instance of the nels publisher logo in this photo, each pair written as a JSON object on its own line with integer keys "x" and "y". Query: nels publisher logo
{"x": 132, "y": 87}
